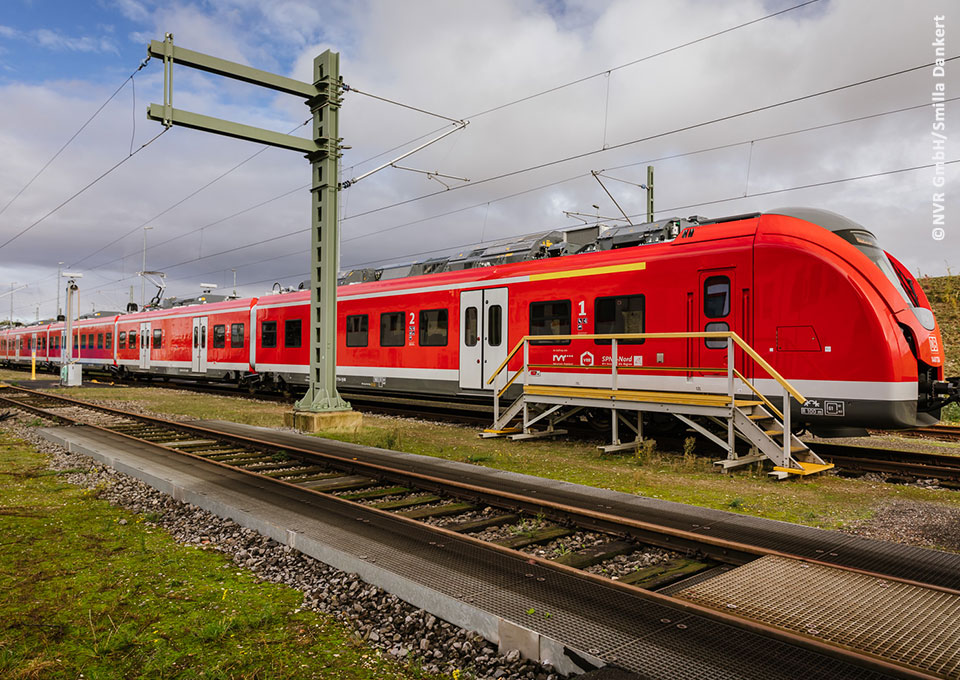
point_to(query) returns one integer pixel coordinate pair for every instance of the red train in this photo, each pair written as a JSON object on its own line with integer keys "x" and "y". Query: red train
{"x": 810, "y": 290}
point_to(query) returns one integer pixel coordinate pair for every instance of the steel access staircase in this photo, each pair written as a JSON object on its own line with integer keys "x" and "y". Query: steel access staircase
{"x": 744, "y": 414}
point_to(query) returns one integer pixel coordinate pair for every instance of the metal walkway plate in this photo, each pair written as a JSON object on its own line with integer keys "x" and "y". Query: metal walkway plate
{"x": 913, "y": 626}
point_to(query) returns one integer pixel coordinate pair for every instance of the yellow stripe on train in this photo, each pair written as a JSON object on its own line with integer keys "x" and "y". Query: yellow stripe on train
{"x": 591, "y": 271}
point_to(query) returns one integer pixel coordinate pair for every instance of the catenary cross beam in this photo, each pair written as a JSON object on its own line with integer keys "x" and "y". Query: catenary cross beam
{"x": 323, "y": 151}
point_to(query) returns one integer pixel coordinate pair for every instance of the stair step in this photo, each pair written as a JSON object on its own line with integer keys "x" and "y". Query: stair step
{"x": 761, "y": 416}
{"x": 773, "y": 433}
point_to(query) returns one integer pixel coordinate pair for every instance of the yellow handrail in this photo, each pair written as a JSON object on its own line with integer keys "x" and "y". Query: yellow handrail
{"x": 740, "y": 342}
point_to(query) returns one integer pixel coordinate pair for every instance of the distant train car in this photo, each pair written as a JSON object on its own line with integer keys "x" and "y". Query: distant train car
{"x": 810, "y": 290}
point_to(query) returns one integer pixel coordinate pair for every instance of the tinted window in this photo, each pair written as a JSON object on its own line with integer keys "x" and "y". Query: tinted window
{"x": 74, "y": 341}
{"x": 715, "y": 326}
{"x": 109, "y": 341}
{"x": 391, "y": 329}
{"x": 357, "y": 330}
{"x": 268, "y": 334}
{"x": 433, "y": 327}
{"x": 291, "y": 333}
{"x": 236, "y": 335}
{"x": 122, "y": 340}
{"x": 219, "y": 336}
{"x": 494, "y": 325}
{"x": 83, "y": 341}
{"x": 99, "y": 340}
{"x": 470, "y": 324}
{"x": 621, "y": 314}
{"x": 716, "y": 297}
{"x": 158, "y": 338}
{"x": 550, "y": 318}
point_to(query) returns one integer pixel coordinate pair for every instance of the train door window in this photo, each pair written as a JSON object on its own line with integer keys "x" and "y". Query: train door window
{"x": 495, "y": 325}
{"x": 391, "y": 329}
{"x": 219, "y": 336}
{"x": 716, "y": 305}
{"x": 122, "y": 340}
{"x": 203, "y": 336}
{"x": 716, "y": 326}
{"x": 716, "y": 297}
{"x": 357, "y": 330}
{"x": 268, "y": 333}
{"x": 550, "y": 318}
{"x": 292, "y": 333}
{"x": 157, "y": 338}
{"x": 470, "y": 331}
{"x": 433, "y": 327}
{"x": 236, "y": 335}
{"x": 620, "y": 314}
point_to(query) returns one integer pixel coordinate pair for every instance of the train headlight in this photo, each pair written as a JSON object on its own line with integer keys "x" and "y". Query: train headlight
{"x": 925, "y": 317}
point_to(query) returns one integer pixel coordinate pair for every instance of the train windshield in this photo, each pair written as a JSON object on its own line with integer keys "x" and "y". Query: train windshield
{"x": 866, "y": 243}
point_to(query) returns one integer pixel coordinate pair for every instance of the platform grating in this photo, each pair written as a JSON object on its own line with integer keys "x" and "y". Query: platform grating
{"x": 909, "y": 625}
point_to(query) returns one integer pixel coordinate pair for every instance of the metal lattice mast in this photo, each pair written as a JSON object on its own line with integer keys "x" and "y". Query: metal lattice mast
{"x": 323, "y": 98}
{"x": 324, "y": 244}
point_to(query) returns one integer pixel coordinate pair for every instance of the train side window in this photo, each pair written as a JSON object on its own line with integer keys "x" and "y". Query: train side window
{"x": 357, "y": 330}
{"x": 122, "y": 340}
{"x": 470, "y": 331}
{"x": 99, "y": 340}
{"x": 292, "y": 333}
{"x": 109, "y": 341}
{"x": 620, "y": 314}
{"x": 236, "y": 335}
{"x": 133, "y": 339}
{"x": 219, "y": 336}
{"x": 157, "y": 338}
{"x": 550, "y": 318}
{"x": 268, "y": 333}
{"x": 75, "y": 341}
{"x": 83, "y": 341}
{"x": 495, "y": 325}
{"x": 716, "y": 297}
{"x": 391, "y": 329}
{"x": 433, "y": 327}
{"x": 716, "y": 326}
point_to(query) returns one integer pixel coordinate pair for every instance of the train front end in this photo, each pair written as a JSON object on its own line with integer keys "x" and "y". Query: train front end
{"x": 881, "y": 358}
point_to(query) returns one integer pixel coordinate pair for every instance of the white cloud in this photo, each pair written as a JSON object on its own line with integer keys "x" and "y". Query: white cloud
{"x": 459, "y": 58}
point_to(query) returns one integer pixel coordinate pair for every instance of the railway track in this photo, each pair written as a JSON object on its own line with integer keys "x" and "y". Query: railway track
{"x": 942, "y": 432}
{"x": 537, "y": 529}
{"x": 908, "y": 465}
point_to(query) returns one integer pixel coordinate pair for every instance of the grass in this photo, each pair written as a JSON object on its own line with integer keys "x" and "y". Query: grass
{"x": 85, "y": 595}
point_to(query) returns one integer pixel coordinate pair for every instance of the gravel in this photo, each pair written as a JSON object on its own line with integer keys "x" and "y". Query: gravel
{"x": 621, "y": 565}
{"x": 922, "y": 524}
{"x": 384, "y": 621}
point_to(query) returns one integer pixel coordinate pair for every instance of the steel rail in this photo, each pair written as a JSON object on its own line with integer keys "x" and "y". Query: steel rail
{"x": 841, "y": 652}
{"x": 724, "y": 550}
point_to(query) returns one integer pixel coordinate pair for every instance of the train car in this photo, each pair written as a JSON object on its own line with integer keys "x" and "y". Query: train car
{"x": 810, "y": 290}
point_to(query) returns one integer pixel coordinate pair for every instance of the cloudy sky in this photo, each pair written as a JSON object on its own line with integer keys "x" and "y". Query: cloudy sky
{"x": 552, "y": 90}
